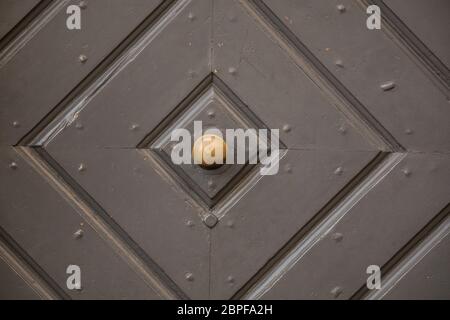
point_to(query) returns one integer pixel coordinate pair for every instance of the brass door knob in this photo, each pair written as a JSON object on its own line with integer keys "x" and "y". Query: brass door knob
{"x": 207, "y": 149}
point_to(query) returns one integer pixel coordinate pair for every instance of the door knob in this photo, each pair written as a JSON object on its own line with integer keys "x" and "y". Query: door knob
{"x": 207, "y": 149}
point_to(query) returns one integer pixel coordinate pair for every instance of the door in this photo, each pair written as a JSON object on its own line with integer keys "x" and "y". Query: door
{"x": 92, "y": 206}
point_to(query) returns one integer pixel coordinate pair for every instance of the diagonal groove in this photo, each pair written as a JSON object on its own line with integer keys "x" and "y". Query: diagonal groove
{"x": 319, "y": 225}
{"x": 340, "y": 96}
{"x": 410, "y": 255}
{"x": 409, "y": 42}
{"x": 121, "y": 243}
{"x": 30, "y": 272}
{"x": 67, "y": 109}
{"x": 27, "y": 20}
{"x": 28, "y": 27}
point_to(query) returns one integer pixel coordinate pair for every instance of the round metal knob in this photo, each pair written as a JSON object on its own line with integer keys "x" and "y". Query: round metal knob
{"x": 207, "y": 149}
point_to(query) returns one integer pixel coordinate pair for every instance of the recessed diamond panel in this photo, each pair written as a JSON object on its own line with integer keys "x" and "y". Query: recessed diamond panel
{"x": 217, "y": 107}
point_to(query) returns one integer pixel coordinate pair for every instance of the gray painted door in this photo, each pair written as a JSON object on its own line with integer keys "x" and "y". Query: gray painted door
{"x": 364, "y": 128}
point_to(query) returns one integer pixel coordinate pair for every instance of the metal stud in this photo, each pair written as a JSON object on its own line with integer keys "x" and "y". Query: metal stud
{"x": 387, "y": 86}
{"x": 287, "y": 128}
{"x": 211, "y": 184}
{"x": 210, "y": 220}
{"x": 191, "y": 16}
{"x": 341, "y": 8}
{"x": 189, "y": 276}
{"x": 16, "y": 124}
{"x": 78, "y": 234}
{"x": 339, "y": 171}
{"x": 288, "y": 168}
{"x": 81, "y": 167}
{"x": 83, "y": 4}
{"x": 83, "y": 58}
{"x": 230, "y": 224}
{"x": 406, "y": 172}
{"x": 337, "y": 237}
{"x": 211, "y": 114}
{"x": 342, "y": 130}
{"x": 13, "y": 165}
{"x": 190, "y": 223}
{"x": 134, "y": 127}
{"x": 336, "y": 292}
{"x": 339, "y": 63}
{"x": 232, "y": 71}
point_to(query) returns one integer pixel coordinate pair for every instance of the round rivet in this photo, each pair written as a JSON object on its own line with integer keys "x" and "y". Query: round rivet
{"x": 230, "y": 224}
{"x": 13, "y": 165}
{"x": 336, "y": 291}
{"x": 232, "y": 70}
{"x": 83, "y": 58}
{"x": 211, "y": 184}
{"x": 81, "y": 167}
{"x": 287, "y": 128}
{"x": 210, "y": 220}
{"x": 211, "y": 114}
{"x": 337, "y": 237}
{"x": 79, "y": 126}
{"x": 288, "y": 168}
{"x": 191, "y": 16}
{"x": 339, "y": 171}
{"x": 341, "y": 8}
{"x": 83, "y": 5}
{"x": 134, "y": 127}
{"x": 339, "y": 63}
{"x": 78, "y": 234}
{"x": 342, "y": 130}
{"x": 189, "y": 276}
{"x": 230, "y": 279}
{"x": 190, "y": 223}
{"x": 205, "y": 148}
{"x": 408, "y": 132}
{"x": 16, "y": 124}
{"x": 406, "y": 172}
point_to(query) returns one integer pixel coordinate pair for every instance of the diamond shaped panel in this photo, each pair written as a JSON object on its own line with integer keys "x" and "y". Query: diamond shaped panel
{"x": 213, "y": 103}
